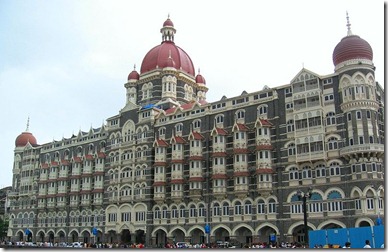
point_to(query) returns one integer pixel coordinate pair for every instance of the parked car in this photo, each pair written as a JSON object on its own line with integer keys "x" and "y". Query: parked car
{"x": 182, "y": 245}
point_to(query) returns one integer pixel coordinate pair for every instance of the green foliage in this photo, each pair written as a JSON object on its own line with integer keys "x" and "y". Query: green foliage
{"x": 3, "y": 228}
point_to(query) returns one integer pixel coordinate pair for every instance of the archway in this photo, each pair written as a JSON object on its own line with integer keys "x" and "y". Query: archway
{"x": 332, "y": 226}
{"x": 266, "y": 234}
{"x": 41, "y": 236}
{"x": 126, "y": 236}
{"x": 86, "y": 237}
{"x": 29, "y": 237}
{"x": 21, "y": 235}
{"x": 51, "y": 237}
{"x": 62, "y": 236}
{"x": 243, "y": 236}
{"x": 161, "y": 238}
{"x": 364, "y": 224}
{"x": 197, "y": 236}
{"x": 298, "y": 235}
{"x": 178, "y": 235}
{"x": 112, "y": 236}
{"x": 74, "y": 236}
{"x": 221, "y": 234}
{"x": 140, "y": 236}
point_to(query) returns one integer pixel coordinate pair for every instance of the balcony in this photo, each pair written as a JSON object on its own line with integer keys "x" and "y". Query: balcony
{"x": 363, "y": 148}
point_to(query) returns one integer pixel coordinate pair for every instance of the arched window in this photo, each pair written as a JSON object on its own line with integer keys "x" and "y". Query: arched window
{"x": 334, "y": 169}
{"x": 219, "y": 119}
{"x": 330, "y": 118}
{"x": 332, "y": 143}
{"x": 262, "y": 111}
{"x": 293, "y": 173}
{"x": 291, "y": 149}
{"x": 179, "y": 127}
{"x": 306, "y": 172}
{"x": 238, "y": 208}
{"x": 271, "y": 206}
{"x": 225, "y": 209}
{"x": 290, "y": 126}
{"x": 248, "y": 207}
{"x": 320, "y": 171}
{"x": 296, "y": 205}
{"x": 315, "y": 203}
{"x": 193, "y": 211}
{"x": 216, "y": 209}
{"x": 334, "y": 201}
{"x": 260, "y": 206}
{"x": 240, "y": 114}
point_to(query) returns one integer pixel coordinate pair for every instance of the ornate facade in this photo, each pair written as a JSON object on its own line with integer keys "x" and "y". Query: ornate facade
{"x": 171, "y": 166}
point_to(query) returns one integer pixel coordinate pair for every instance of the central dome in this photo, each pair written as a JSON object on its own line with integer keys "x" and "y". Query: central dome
{"x": 157, "y": 57}
{"x": 352, "y": 47}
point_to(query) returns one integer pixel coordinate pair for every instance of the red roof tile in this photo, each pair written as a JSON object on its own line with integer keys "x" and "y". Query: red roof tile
{"x": 241, "y": 174}
{"x": 240, "y": 151}
{"x": 179, "y": 139}
{"x": 197, "y": 135}
{"x": 101, "y": 155}
{"x": 219, "y": 176}
{"x": 264, "y": 147}
{"x": 177, "y": 181}
{"x": 264, "y": 171}
{"x": 221, "y": 131}
{"x": 196, "y": 179}
{"x": 219, "y": 154}
{"x": 242, "y": 127}
{"x": 265, "y": 122}
{"x": 161, "y": 143}
{"x": 159, "y": 183}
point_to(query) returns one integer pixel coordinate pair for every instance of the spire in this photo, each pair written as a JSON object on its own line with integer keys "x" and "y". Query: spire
{"x": 134, "y": 67}
{"x": 348, "y": 25}
{"x": 168, "y": 31}
{"x": 28, "y": 124}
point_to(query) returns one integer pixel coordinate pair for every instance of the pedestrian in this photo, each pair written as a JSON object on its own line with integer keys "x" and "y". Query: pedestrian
{"x": 367, "y": 244}
{"x": 347, "y": 245}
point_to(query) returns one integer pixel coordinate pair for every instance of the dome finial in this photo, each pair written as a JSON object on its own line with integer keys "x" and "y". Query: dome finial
{"x": 199, "y": 70}
{"x": 28, "y": 124}
{"x": 348, "y": 24}
{"x": 134, "y": 67}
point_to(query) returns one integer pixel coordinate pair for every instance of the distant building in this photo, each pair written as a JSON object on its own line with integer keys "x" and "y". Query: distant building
{"x": 171, "y": 166}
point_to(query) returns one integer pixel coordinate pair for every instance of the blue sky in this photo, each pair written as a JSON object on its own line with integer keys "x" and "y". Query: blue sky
{"x": 63, "y": 63}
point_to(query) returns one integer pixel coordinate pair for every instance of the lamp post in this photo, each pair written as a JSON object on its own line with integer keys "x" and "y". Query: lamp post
{"x": 304, "y": 196}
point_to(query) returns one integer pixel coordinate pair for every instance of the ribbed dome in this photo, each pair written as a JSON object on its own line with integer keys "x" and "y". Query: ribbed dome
{"x": 167, "y": 54}
{"x": 134, "y": 75}
{"x": 352, "y": 47}
{"x": 200, "y": 79}
{"x": 24, "y": 138}
{"x": 168, "y": 22}
{"x": 157, "y": 58}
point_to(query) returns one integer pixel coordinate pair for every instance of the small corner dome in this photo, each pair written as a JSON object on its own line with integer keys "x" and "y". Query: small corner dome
{"x": 134, "y": 75}
{"x": 352, "y": 47}
{"x": 168, "y": 22}
{"x": 200, "y": 79}
{"x": 24, "y": 138}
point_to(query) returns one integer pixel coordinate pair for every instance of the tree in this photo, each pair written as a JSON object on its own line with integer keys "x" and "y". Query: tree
{"x": 3, "y": 228}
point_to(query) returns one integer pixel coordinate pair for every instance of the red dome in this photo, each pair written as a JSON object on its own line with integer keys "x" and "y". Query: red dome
{"x": 24, "y": 138}
{"x": 134, "y": 75}
{"x": 157, "y": 58}
{"x": 352, "y": 47}
{"x": 200, "y": 79}
{"x": 168, "y": 22}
